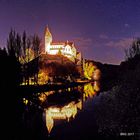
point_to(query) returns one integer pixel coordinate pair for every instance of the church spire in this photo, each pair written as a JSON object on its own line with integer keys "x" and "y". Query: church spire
{"x": 48, "y": 39}
{"x": 47, "y": 32}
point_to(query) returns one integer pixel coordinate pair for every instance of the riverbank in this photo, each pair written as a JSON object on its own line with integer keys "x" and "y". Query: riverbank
{"x": 27, "y": 89}
{"x": 120, "y": 106}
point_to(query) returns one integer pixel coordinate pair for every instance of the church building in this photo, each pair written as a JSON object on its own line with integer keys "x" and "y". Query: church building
{"x": 64, "y": 48}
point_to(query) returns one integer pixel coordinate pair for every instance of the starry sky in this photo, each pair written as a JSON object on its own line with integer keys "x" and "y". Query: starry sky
{"x": 100, "y": 29}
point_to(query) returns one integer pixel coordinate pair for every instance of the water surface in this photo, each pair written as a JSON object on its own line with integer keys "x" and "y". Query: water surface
{"x": 63, "y": 114}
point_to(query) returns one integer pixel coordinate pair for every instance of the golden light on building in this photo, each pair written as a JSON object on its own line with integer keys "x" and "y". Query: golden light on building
{"x": 64, "y": 48}
{"x": 61, "y": 113}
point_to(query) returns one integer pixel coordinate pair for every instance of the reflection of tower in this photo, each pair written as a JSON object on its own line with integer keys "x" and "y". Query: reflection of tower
{"x": 61, "y": 113}
{"x": 48, "y": 40}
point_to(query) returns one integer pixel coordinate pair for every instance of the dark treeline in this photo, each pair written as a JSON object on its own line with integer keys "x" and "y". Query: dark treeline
{"x": 24, "y": 48}
{"x": 13, "y": 59}
{"x": 115, "y": 74}
{"x": 120, "y": 100}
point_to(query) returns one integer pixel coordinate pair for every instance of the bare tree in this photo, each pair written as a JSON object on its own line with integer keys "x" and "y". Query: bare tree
{"x": 134, "y": 50}
{"x": 11, "y": 43}
{"x": 24, "y": 49}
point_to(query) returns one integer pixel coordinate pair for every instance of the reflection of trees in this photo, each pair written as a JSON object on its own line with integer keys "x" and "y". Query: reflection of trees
{"x": 97, "y": 74}
{"x": 69, "y": 110}
{"x": 91, "y": 89}
{"x": 43, "y": 96}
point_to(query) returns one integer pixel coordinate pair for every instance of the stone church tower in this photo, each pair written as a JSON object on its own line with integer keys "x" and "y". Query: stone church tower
{"x": 48, "y": 40}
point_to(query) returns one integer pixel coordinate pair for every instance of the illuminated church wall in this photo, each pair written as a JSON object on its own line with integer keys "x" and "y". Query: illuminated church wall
{"x": 65, "y": 48}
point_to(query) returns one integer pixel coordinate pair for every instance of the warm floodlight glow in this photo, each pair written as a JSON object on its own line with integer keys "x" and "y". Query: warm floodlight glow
{"x": 58, "y": 113}
{"x": 91, "y": 71}
{"x": 64, "y": 48}
{"x": 91, "y": 89}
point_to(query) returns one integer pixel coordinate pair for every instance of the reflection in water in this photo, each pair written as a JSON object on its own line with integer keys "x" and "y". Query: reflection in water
{"x": 70, "y": 109}
{"x": 97, "y": 86}
{"x": 25, "y": 101}
{"x": 66, "y": 112}
{"x": 43, "y": 96}
{"x": 91, "y": 89}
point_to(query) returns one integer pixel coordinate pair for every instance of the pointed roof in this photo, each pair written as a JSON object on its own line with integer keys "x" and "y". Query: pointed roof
{"x": 47, "y": 31}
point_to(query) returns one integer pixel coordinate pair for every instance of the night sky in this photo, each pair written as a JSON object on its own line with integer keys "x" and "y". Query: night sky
{"x": 101, "y": 29}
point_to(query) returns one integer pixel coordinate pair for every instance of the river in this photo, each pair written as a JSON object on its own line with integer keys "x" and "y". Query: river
{"x": 63, "y": 114}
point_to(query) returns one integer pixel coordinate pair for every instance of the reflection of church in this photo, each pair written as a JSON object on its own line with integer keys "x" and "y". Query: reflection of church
{"x": 69, "y": 110}
{"x": 62, "y": 113}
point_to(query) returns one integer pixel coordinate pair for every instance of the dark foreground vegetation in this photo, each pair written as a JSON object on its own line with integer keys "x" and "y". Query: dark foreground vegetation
{"x": 120, "y": 101}
{"x": 12, "y": 107}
